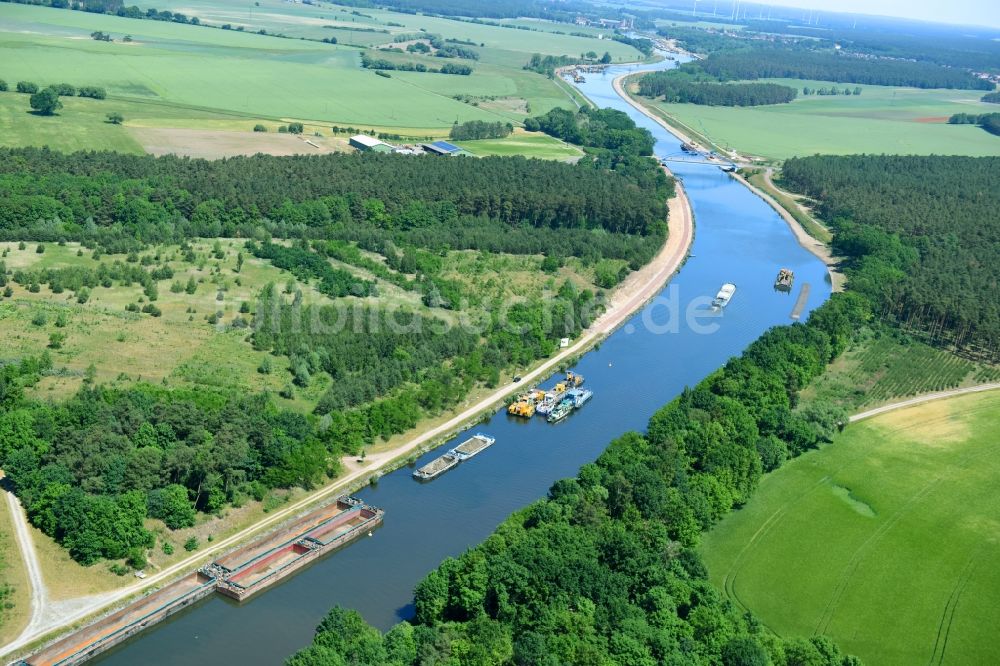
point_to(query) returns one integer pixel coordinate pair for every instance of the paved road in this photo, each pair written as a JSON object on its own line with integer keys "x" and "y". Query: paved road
{"x": 927, "y": 397}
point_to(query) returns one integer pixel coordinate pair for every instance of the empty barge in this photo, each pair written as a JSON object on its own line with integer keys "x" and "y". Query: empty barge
{"x": 266, "y": 563}
{"x": 111, "y": 630}
{"x": 237, "y": 574}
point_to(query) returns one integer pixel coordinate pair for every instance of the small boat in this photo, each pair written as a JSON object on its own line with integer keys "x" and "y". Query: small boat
{"x": 561, "y": 411}
{"x": 725, "y": 295}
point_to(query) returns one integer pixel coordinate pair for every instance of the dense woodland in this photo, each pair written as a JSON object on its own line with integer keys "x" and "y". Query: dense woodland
{"x": 91, "y": 469}
{"x": 921, "y": 236}
{"x": 124, "y": 200}
{"x": 681, "y": 90}
{"x": 951, "y": 46}
{"x": 991, "y": 98}
{"x": 962, "y": 48}
{"x": 783, "y": 63}
{"x": 604, "y": 570}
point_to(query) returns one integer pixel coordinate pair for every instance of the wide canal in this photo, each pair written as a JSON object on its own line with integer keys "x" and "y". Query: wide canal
{"x": 642, "y": 366}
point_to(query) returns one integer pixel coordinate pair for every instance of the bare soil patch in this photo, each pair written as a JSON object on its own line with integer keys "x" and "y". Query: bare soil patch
{"x": 931, "y": 119}
{"x": 214, "y": 144}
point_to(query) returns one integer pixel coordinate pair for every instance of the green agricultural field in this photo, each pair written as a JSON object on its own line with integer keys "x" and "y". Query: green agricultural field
{"x": 258, "y": 76}
{"x": 371, "y": 27}
{"x": 533, "y": 144}
{"x": 888, "y": 120}
{"x": 885, "y": 540}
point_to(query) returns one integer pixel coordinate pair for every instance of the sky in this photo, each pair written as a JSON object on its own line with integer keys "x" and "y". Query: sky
{"x": 966, "y": 12}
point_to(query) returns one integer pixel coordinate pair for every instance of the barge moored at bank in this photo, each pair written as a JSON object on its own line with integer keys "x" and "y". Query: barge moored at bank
{"x": 467, "y": 449}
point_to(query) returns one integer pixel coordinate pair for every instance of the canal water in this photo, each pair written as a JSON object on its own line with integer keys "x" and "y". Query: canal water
{"x": 642, "y": 366}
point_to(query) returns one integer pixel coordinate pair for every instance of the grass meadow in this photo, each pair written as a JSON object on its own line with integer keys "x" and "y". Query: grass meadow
{"x": 886, "y": 540}
{"x": 181, "y": 347}
{"x": 903, "y": 121}
{"x": 533, "y": 144}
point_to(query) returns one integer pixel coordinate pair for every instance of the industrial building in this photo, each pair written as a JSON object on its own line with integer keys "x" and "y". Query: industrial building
{"x": 366, "y": 143}
{"x": 443, "y": 148}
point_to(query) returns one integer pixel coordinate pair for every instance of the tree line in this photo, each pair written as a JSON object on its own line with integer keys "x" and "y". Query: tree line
{"x": 480, "y": 129}
{"x": 991, "y": 98}
{"x": 605, "y": 569}
{"x": 381, "y": 64}
{"x": 988, "y": 121}
{"x": 918, "y": 235}
{"x": 681, "y": 90}
{"x": 61, "y": 89}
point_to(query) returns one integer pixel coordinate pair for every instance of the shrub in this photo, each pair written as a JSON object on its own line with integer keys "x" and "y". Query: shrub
{"x": 56, "y": 340}
{"x": 27, "y": 87}
{"x": 259, "y": 128}
{"x": 64, "y": 89}
{"x": 92, "y": 91}
{"x": 136, "y": 558}
{"x": 295, "y": 128}
{"x": 116, "y": 118}
{"x": 3, "y": 86}
{"x": 191, "y": 544}
{"x": 168, "y": 548}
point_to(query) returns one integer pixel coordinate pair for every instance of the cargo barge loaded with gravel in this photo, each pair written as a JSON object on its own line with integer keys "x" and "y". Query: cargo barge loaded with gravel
{"x": 237, "y": 574}
{"x": 467, "y": 449}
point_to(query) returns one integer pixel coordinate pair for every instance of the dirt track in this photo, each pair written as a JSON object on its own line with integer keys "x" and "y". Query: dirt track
{"x": 920, "y": 399}
{"x": 38, "y": 593}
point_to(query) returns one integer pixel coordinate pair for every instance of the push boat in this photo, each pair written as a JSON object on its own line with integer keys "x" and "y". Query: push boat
{"x": 784, "y": 280}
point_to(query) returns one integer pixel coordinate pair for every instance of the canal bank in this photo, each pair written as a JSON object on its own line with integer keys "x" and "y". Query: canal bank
{"x": 644, "y": 363}
{"x": 818, "y": 248}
